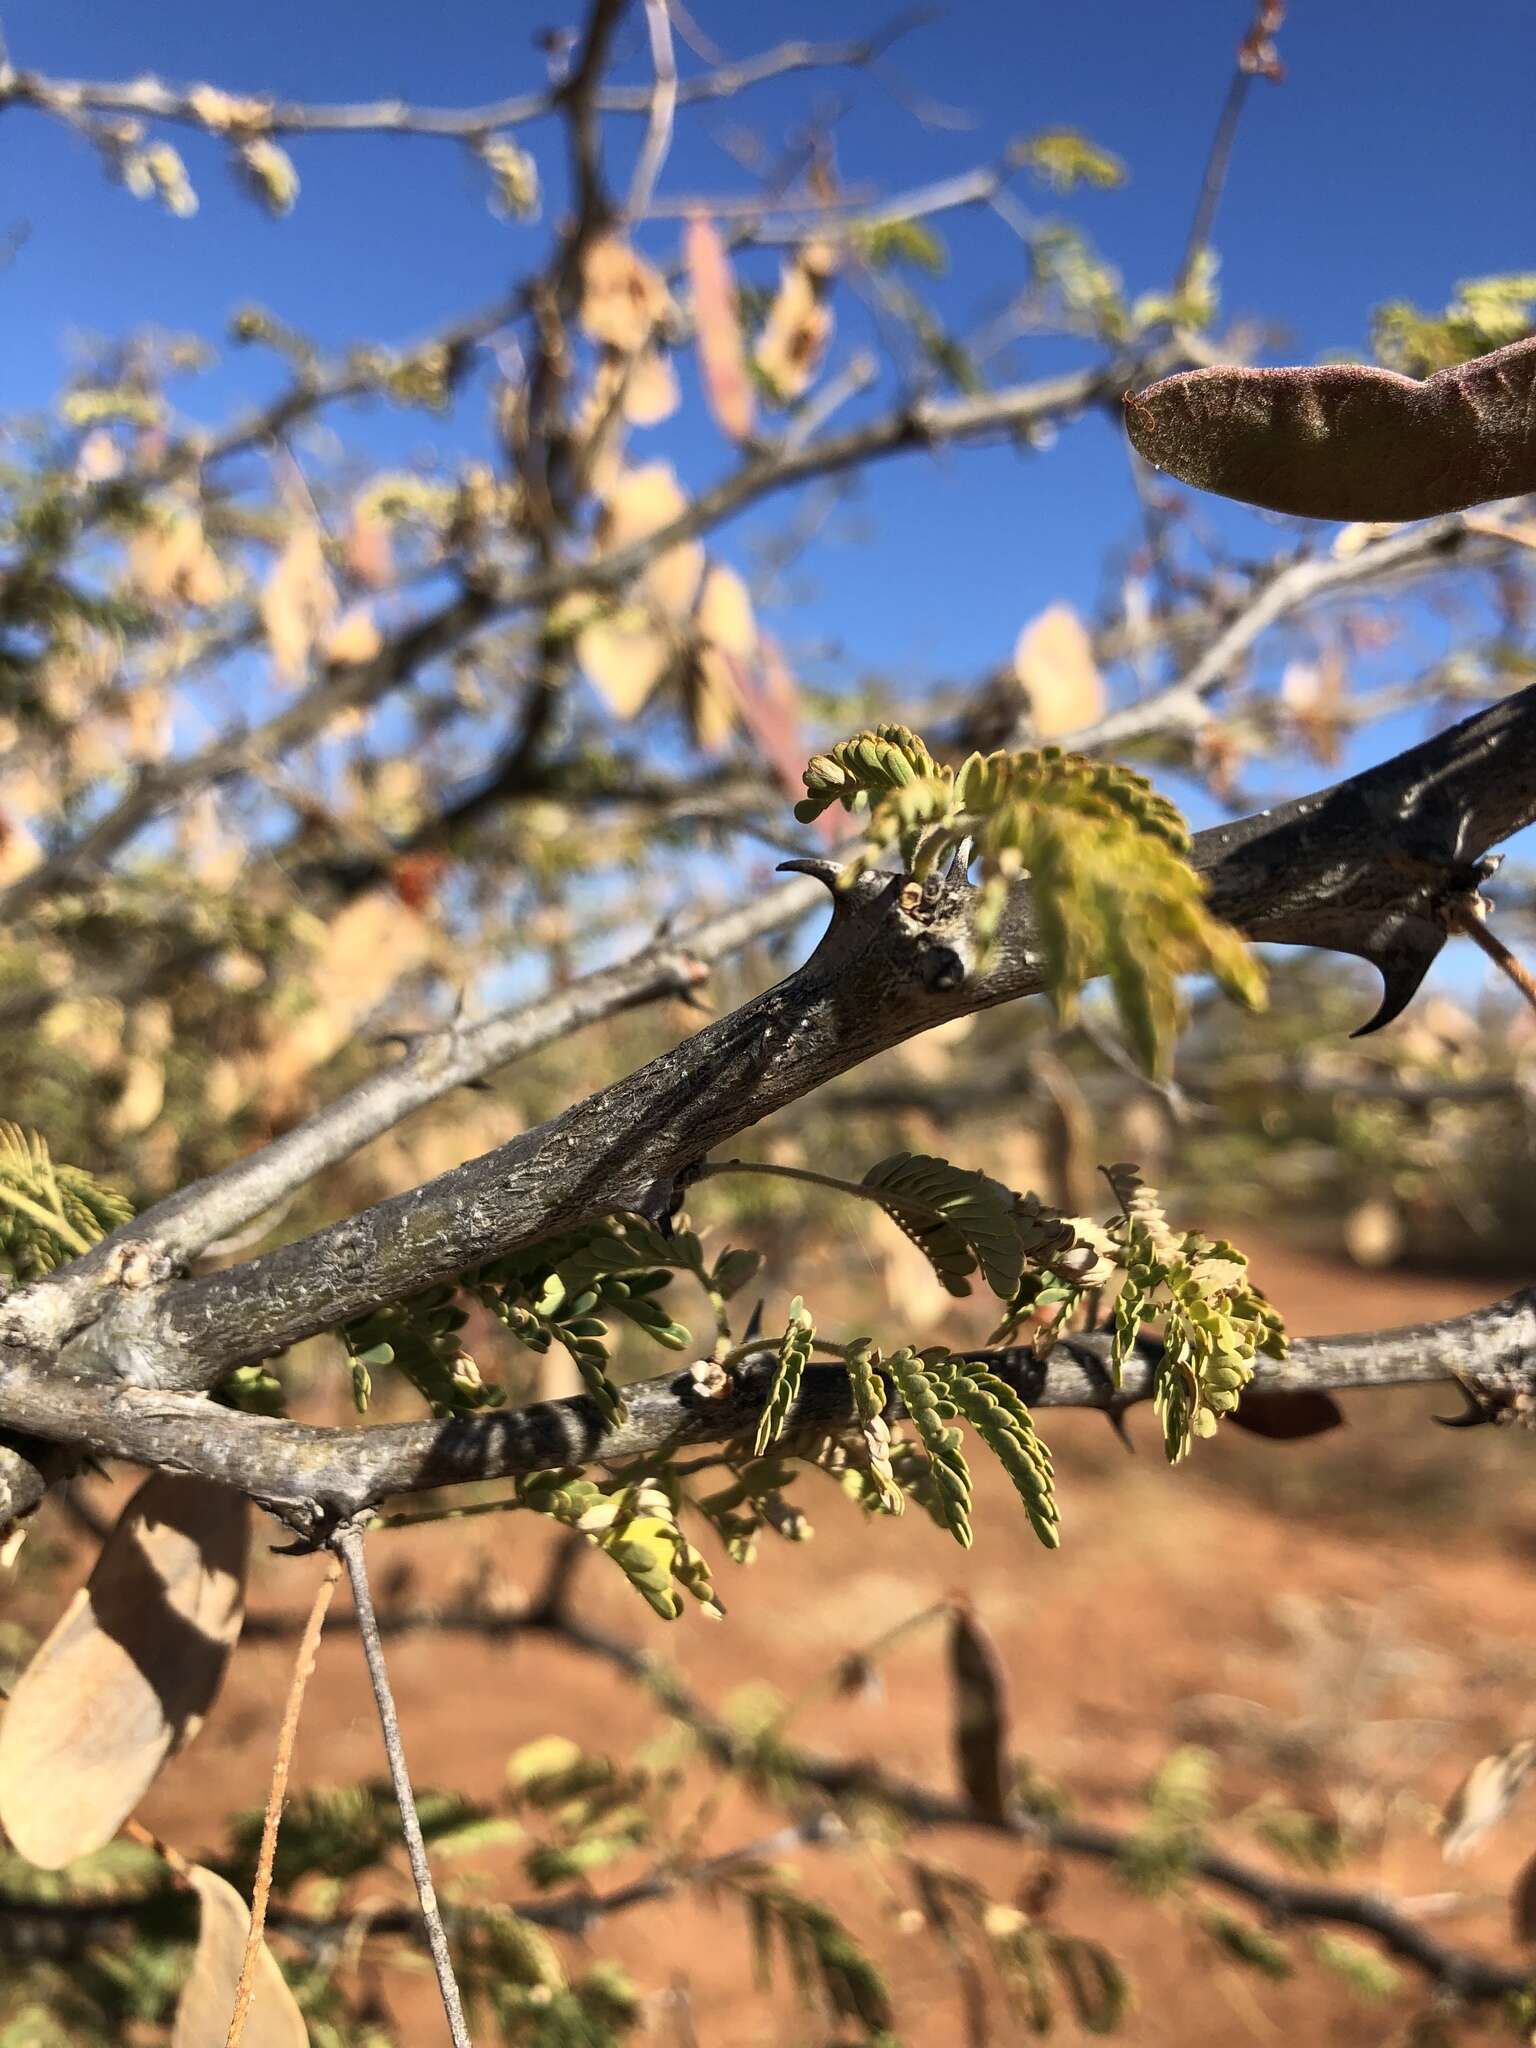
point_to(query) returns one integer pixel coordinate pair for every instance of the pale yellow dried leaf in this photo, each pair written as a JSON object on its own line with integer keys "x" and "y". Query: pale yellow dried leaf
{"x": 795, "y": 335}
{"x": 1053, "y": 659}
{"x": 148, "y": 714}
{"x": 208, "y": 1996}
{"x": 128, "y": 1672}
{"x": 714, "y": 699}
{"x": 641, "y": 502}
{"x": 88, "y": 1027}
{"x": 224, "y": 1089}
{"x": 98, "y": 458}
{"x": 624, "y": 658}
{"x": 725, "y": 617}
{"x": 170, "y": 561}
{"x": 623, "y": 299}
{"x": 299, "y": 601}
{"x": 1484, "y": 1797}
{"x": 359, "y": 956}
{"x": 141, "y": 1098}
{"x": 19, "y": 851}
{"x": 354, "y": 639}
{"x": 651, "y": 394}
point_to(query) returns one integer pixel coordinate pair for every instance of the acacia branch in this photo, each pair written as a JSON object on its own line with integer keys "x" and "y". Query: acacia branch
{"x": 1372, "y": 867}
{"x": 317, "y": 1477}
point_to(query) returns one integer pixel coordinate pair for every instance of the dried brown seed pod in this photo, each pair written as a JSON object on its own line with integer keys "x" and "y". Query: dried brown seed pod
{"x": 1347, "y": 441}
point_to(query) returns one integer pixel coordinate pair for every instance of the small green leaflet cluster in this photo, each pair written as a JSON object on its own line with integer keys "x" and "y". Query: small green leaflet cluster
{"x": 1215, "y": 1322}
{"x": 962, "y": 1220}
{"x": 558, "y": 1291}
{"x": 48, "y": 1213}
{"x": 564, "y": 1290}
{"x": 419, "y": 1338}
{"x": 882, "y": 1489}
{"x": 794, "y": 1354}
{"x": 1106, "y": 856}
{"x": 1033, "y": 1961}
{"x": 1180, "y": 1801}
{"x": 635, "y": 1523}
{"x": 591, "y": 1810}
{"x": 1486, "y": 313}
{"x": 829, "y": 1969}
{"x": 936, "y": 1390}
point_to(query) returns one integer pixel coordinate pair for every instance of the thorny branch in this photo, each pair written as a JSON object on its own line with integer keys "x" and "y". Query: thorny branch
{"x": 1373, "y": 867}
{"x": 316, "y": 1476}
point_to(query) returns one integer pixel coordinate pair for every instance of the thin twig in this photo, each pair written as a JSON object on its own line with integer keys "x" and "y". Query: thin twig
{"x": 1471, "y": 924}
{"x": 658, "y": 132}
{"x": 1255, "y": 58}
{"x": 277, "y": 1792}
{"x": 347, "y": 1542}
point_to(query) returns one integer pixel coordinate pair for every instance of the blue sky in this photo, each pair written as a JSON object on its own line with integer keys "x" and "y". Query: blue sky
{"x": 1398, "y": 156}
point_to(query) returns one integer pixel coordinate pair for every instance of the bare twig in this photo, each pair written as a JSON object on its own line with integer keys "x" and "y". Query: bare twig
{"x": 347, "y": 1541}
{"x": 1255, "y": 58}
{"x": 261, "y": 1891}
{"x": 318, "y": 1475}
{"x": 151, "y": 99}
{"x": 1471, "y": 922}
{"x": 658, "y": 129}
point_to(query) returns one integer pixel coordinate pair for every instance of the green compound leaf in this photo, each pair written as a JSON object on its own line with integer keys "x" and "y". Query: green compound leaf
{"x": 958, "y": 1219}
{"x": 882, "y": 1493}
{"x": 420, "y": 1338}
{"x": 794, "y": 1352}
{"x": 48, "y": 1213}
{"x": 1215, "y": 1321}
{"x": 636, "y": 1525}
{"x": 827, "y": 1966}
{"x": 1005, "y": 1426}
{"x": 925, "y": 1395}
{"x": 1106, "y": 857}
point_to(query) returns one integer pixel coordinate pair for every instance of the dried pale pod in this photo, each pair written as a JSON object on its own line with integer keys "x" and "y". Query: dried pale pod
{"x": 1347, "y": 441}
{"x": 128, "y": 1672}
{"x": 717, "y": 326}
{"x": 208, "y": 1996}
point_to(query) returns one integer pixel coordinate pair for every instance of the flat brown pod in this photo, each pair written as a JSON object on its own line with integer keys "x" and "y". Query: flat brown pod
{"x": 129, "y": 1671}
{"x": 979, "y": 1703}
{"x": 1347, "y": 441}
